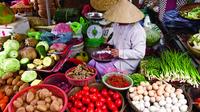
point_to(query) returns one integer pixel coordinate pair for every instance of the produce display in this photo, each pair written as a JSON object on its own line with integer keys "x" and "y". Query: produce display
{"x": 118, "y": 81}
{"x": 81, "y": 72}
{"x": 137, "y": 78}
{"x": 11, "y": 83}
{"x": 102, "y": 55}
{"x": 90, "y": 99}
{"x": 158, "y": 97}
{"x": 41, "y": 100}
{"x": 194, "y": 41}
{"x": 171, "y": 67}
{"x": 192, "y": 14}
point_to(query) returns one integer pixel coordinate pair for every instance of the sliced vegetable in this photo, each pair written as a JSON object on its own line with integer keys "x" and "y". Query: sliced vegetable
{"x": 43, "y": 43}
{"x": 24, "y": 61}
{"x": 11, "y": 45}
{"x": 29, "y": 76}
{"x": 37, "y": 62}
{"x": 48, "y": 62}
{"x": 10, "y": 65}
{"x": 31, "y": 66}
{"x": 55, "y": 57}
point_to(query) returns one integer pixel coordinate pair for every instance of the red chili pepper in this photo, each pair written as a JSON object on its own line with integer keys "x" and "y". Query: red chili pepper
{"x": 117, "y": 81}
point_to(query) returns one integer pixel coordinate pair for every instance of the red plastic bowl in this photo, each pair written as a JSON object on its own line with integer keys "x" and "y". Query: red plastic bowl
{"x": 82, "y": 82}
{"x": 56, "y": 79}
{"x": 55, "y": 90}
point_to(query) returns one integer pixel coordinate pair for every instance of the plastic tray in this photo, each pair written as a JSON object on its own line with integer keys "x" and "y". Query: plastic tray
{"x": 55, "y": 90}
{"x": 56, "y": 78}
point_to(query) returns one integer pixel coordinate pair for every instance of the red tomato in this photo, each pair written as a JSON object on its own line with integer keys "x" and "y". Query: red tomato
{"x": 104, "y": 110}
{"x": 111, "y": 106}
{"x": 110, "y": 92}
{"x": 69, "y": 105}
{"x": 73, "y": 109}
{"x": 86, "y": 93}
{"x": 84, "y": 109}
{"x": 90, "y": 110}
{"x": 98, "y": 110}
{"x": 93, "y": 97}
{"x": 79, "y": 96}
{"x": 108, "y": 99}
{"x": 99, "y": 104}
{"x": 115, "y": 111}
{"x": 116, "y": 96}
{"x": 104, "y": 92}
{"x": 93, "y": 90}
{"x": 78, "y": 104}
{"x": 71, "y": 98}
{"x": 79, "y": 111}
{"x": 103, "y": 100}
{"x": 98, "y": 95}
{"x": 85, "y": 100}
{"x": 104, "y": 107}
{"x": 91, "y": 105}
{"x": 86, "y": 88}
{"x": 118, "y": 103}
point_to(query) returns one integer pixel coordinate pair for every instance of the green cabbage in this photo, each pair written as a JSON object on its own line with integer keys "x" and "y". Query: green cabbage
{"x": 11, "y": 45}
{"x": 10, "y": 65}
{"x": 3, "y": 55}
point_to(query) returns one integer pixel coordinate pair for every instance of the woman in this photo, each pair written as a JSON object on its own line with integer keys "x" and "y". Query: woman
{"x": 129, "y": 38}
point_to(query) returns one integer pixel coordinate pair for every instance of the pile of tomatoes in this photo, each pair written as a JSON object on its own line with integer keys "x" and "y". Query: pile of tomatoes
{"x": 93, "y": 100}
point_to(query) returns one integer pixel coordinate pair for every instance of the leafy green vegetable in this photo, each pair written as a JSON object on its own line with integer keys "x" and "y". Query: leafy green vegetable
{"x": 11, "y": 45}
{"x": 192, "y": 14}
{"x": 1, "y": 73}
{"x": 10, "y": 65}
{"x": 29, "y": 76}
{"x": 153, "y": 35}
{"x": 137, "y": 78}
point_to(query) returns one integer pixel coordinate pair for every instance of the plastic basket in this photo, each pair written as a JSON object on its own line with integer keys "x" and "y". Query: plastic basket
{"x": 56, "y": 79}
{"x": 99, "y": 86}
{"x": 76, "y": 82}
{"x": 55, "y": 90}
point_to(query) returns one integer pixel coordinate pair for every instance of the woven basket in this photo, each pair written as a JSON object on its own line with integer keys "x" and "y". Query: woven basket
{"x": 189, "y": 101}
{"x": 193, "y": 51}
{"x": 99, "y": 86}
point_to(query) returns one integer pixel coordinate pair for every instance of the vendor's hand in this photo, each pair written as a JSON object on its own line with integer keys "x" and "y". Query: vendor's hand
{"x": 115, "y": 52}
{"x": 108, "y": 48}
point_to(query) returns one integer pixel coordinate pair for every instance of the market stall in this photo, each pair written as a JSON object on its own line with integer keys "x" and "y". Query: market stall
{"x": 107, "y": 56}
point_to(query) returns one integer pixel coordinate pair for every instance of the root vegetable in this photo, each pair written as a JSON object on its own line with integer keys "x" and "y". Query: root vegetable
{"x": 41, "y": 102}
{"x": 9, "y": 81}
{"x": 18, "y": 103}
{"x": 29, "y": 108}
{"x": 28, "y": 52}
{"x": 23, "y": 86}
{"x": 7, "y": 76}
{"x": 47, "y": 99}
{"x": 21, "y": 109}
{"x": 34, "y": 102}
{"x": 9, "y": 91}
{"x": 30, "y": 96}
{"x": 17, "y": 79}
{"x": 55, "y": 106}
{"x": 42, "y": 108}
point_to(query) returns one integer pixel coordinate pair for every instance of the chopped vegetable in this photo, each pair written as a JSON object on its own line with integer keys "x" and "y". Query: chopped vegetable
{"x": 13, "y": 54}
{"x": 29, "y": 76}
{"x": 11, "y": 45}
{"x": 24, "y": 61}
{"x": 43, "y": 43}
{"x": 31, "y": 66}
{"x": 48, "y": 62}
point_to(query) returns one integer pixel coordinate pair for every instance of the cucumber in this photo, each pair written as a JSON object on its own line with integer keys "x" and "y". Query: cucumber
{"x": 13, "y": 54}
{"x": 41, "y": 51}
{"x": 48, "y": 62}
{"x": 31, "y": 66}
{"x": 24, "y": 61}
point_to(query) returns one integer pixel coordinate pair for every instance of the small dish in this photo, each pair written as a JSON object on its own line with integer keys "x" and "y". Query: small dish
{"x": 102, "y": 56}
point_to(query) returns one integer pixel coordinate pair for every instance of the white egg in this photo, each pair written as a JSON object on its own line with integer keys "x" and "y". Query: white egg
{"x": 183, "y": 108}
{"x": 141, "y": 101}
{"x": 166, "y": 94}
{"x": 145, "y": 93}
{"x": 160, "y": 92}
{"x": 153, "y": 109}
{"x": 146, "y": 98}
{"x": 131, "y": 89}
{"x": 168, "y": 105}
{"x": 179, "y": 90}
{"x": 168, "y": 100}
{"x": 172, "y": 95}
{"x": 178, "y": 105}
{"x": 140, "y": 91}
{"x": 142, "y": 106}
{"x": 156, "y": 105}
{"x": 175, "y": 109}
{"x": 149, "y": 87}
{"x": 132, "y": 95}
{"x": 140, "y": 97}
{"x": 173, "y": 90}
{"x": 146, "y": 110}
{"x": 135, "y": 102}
{"x": 162, "y": 109}
{"x": 147, "y": 104}
{"x": 182, "y": 101}
{"x": 152, "y": 99}
{"x": 136, "y": 98}
{"x": 162, "y": 102}
{"x": 174, "y": 100}
{"x": 151, "y": 93}
{"x": 158, "y": 98}
{"x": 137, "y": 106}
{"x": 180, "y": 96}
{"x": 155, "y": 86}
{"x": 162, "y": 97}
{"x": 168, "y": 110}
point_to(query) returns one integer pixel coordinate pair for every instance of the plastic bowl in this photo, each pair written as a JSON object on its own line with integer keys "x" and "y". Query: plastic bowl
{"x": 55, "y": 90}
{"x": 58, "y": 80}
{"x": 104, "y": 78}
{"x": 82, "y": 82}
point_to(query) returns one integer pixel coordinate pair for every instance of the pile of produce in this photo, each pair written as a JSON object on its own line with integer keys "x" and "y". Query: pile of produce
{"x": 137, "y": 78}
{"x": 93, "y": 100}
{"x": 3, "y": 101}
{"x": 194, "y": 41}
{"x": 192, "y": 14}
{"x": 118, "y": 81}
{"x": 81, "y": 72}
{"x": 158, "y": 97}
{"x": 41, "y": 100}
{"x": 11, "y": 83}
{"x": 171, "y": 67}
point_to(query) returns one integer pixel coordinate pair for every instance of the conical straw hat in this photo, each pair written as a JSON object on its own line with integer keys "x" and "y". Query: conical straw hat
{"x": 102, "y": 5}
{"x": 123, "y": 12}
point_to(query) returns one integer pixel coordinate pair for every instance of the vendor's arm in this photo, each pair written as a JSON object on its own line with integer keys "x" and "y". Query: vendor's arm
{"x": 138, "y": 41}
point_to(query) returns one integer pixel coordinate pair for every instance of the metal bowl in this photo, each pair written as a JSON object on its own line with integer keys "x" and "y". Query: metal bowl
{"x": 94, "y": 15}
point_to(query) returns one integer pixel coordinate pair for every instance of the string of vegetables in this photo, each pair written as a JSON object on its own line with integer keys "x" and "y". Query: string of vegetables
{"x": 172, "y": 66}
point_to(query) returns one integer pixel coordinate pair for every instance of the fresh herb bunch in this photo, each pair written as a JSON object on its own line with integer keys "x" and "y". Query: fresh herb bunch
{"x": 137, "y": 78}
